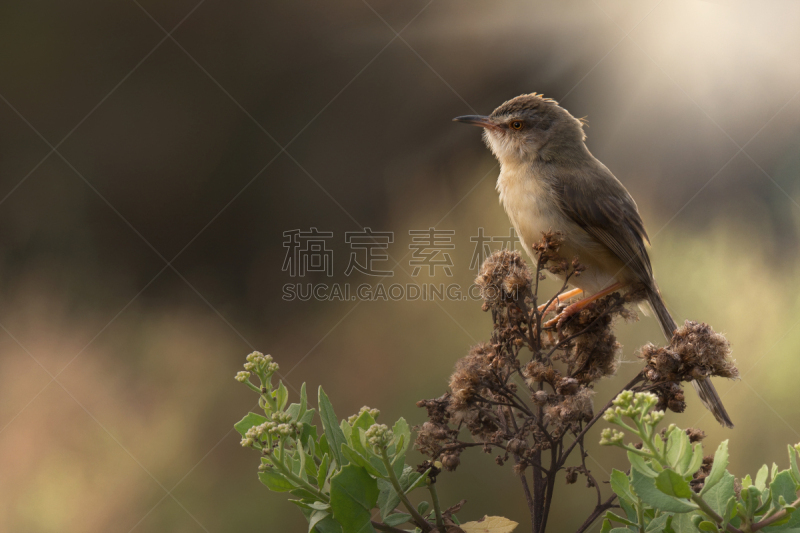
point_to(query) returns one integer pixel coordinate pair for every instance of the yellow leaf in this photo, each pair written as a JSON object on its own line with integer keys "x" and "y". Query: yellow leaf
{"x": 490, "y": 524}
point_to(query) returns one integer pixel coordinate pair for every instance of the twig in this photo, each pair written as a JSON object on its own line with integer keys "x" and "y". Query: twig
{"x": 774, "y": 518}
{"x": 380, "y": 526}
{"x": 436, "y": 509}
{"x": 423, "y": 524}
{"x": 600, "y": 509}
{"x": 639, "y": 377}
{"x": 527, "y": 491}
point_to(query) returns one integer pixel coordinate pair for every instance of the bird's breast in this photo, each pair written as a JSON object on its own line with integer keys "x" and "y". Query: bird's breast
{"x": 533, "y": 209}
{"x": 529, "y": 205}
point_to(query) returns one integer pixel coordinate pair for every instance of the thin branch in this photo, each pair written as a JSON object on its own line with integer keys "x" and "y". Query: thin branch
{"x": 380, "y": 526}
{"x": 526, "y": 489}
{"x": 600, "y": 509}
{"x": 551, "y": 484}
{"x": 639, "y": 377}
{"x": 436, "y": 508}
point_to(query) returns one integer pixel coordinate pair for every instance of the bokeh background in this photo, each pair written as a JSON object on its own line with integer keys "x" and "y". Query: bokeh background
{"x": 153, "y": 153}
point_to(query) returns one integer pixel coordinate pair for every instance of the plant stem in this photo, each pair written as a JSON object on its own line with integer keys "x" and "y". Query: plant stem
{"x": 436, "y": 509}
{"x": 592, "y": 422}
{"x": 252, "y": 386}
{"x": 640, "y": 516}
{"x": 696, "y": 498}
{"x": 418, "y": 518}
{"x": 528, "y": 498}
{"x": 380, "y": 526}
{"x": 278, "y": 463}
{"x": 774, "y": 518}
{"x": 600, "y": 509}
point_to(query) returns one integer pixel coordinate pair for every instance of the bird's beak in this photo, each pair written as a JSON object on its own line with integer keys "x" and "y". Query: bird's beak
{"x": 478, "y": 120}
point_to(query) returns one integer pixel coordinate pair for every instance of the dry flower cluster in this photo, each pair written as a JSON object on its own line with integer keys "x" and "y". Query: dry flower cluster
{"x": 521, "y": 394}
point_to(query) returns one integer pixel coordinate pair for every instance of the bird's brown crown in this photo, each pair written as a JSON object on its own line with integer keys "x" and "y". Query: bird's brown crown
{"x": 525, "y": 102}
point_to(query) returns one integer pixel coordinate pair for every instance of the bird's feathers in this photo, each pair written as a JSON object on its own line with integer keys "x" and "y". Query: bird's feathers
{"x": 601, "y": 206}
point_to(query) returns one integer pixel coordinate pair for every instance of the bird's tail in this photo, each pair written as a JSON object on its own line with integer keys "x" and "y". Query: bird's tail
{"x": 705, "y": 389}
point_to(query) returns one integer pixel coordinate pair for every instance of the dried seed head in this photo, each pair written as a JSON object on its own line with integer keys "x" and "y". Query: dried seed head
{"x": 568, "y": 386}
{"x": 503, "y": 278}
{"x": 450, "y": 462}
{"x": 696, "y": 351}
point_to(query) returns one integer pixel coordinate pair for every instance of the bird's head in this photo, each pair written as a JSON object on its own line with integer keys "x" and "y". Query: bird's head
{"x": 530, "y": 128}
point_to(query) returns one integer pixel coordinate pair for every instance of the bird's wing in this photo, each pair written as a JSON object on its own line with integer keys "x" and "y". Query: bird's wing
{"x": 601, "y": 205}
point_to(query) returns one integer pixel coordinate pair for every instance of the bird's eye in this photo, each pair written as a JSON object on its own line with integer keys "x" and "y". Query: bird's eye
{"x": 517, "y": 124}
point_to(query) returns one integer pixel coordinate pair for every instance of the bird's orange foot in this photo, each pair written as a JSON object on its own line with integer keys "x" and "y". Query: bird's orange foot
{"x": 580, "y": 305}
{"x": 563, "y": 297}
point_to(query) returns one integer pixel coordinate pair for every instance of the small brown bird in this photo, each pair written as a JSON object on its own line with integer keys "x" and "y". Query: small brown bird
{"x": 549, "y": 181}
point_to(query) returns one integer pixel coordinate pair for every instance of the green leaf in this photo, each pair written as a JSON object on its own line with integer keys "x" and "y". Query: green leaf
{"x": 684, "y": 523}
{"x": 303, "y": 494}
{"x": 327, "y": 525}
{"x": 679, "y": 450}
{"x": 359, "y": 445}
{"x": 316, "y": 517}
{"x": 303, "y": 402}
{"x": 297, "y": 465}
{"x": 323, "y": 446}
{"x": 353, "y": 495}
{"x": 697, "y": 460}
{"x": 657, "y": 524}
{"x": 330, "y": 424}
{"x": 751, "y": 498}
{"x": 312, "y": 506}
{"x": 423, "y": 507}
{"x": 630, "y": 510}
{"x": 671, "y": 483}
{"x": 303, "y": 472}
{"x": 396, "y": 519}
{"x": 356, "y": 458}
{"x": 793, "y": 462}
{"x": 606, "y": 528}
{"x": 705, "y": 525}
{"x": 388, "y": 498}
{"x": 309, "y": 432}
{"x": 645, "y": 488}
{"x": 730, "y": 511}
{"x": 281, "y": 396}
{"x": 417, "y": 480}
{"x": 398, "y": 465}
{"x": 638, "y": 463}
{"x": 275, "y": 481}
{"x": 364, "y": 421}
{"x": 347, "y": 430}
{"x": 783, "y": 485}
{"x": 621, "y": 485}
{"x": 761, "y": 478}
{"x": 718, "y": 468}
{"x": 659, "y": 443}
{"x": 322, "y": 472}
{"x": 616, "y": 518}
{"x": 250, "y": 420}
{"x": 717, "y": 497}
{"x": 402, "y": 435}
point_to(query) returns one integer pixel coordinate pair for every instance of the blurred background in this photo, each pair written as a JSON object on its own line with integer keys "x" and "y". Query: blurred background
{"x": 153, "y": 154}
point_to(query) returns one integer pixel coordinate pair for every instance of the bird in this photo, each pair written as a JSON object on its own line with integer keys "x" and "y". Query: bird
{"x": 550, "y": 181}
